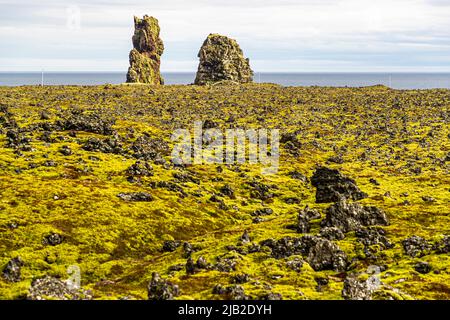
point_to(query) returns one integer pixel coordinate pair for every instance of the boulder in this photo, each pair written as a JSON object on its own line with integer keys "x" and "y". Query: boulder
{"x": 332, "y": 186}
{"x": 352, "y": 216}
{"x": 145, "y": 58}
{"x": 12, "y": 270}
{"x": 161, "y": 289}
{"x": 50, "y": 288}
{"x": 416, "y": 246}
{"x": 221, "y": 59}
{"x": 326, "y": 255}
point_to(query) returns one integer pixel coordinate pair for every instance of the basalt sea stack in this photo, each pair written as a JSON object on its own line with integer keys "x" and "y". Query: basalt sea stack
{"x": 221, "y": 59}
{"x": 145, "y": 58}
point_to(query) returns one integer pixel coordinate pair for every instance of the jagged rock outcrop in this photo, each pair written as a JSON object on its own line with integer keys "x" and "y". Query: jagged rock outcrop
{"x": 145, "y": 58}
{"x": 349, "y": 216}
{"x": 332, "y": 186}
{"x": 50, "y": 288}
{"x": 221, "y": 59}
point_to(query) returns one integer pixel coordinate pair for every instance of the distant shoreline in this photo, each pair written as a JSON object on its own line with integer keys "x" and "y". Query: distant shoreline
{"x": 395, "y": 80}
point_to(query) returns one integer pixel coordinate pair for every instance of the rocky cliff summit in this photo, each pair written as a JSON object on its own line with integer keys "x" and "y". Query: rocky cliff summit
{"x": 145, "y": 58}
{"x": 221, "y": 59}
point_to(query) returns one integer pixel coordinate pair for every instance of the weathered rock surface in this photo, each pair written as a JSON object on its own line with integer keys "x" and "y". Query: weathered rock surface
{"x": 222, "y": 59}
{"x": 321, "y": 254}
{"x": 161, "y": 289}
{"x": 332, "y": 186}
{"x": 416, "y": 246}
{"x": 145, "y": 58}
{"x": 12, "y": 270}
{"x": 352, "y": 216}
{"x": 52, "y": 288}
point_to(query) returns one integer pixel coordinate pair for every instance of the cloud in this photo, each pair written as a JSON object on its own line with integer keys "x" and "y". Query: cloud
{"x": 332, "y": 35}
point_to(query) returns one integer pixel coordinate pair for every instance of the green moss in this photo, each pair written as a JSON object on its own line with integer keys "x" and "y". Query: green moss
{"x": 380, "y": 133}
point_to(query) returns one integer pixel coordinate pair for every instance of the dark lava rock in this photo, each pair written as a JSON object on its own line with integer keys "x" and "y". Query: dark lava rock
{"x": 262, "y": 212}
{"x": 147, "y": 148}
{"x": 332, "y": 233}
{"x": 107, "y": 145}
{"x": 241, "y": 278}
{"x": 304, "y": 218}
{"x": 326, "y": 255}
{"x": 428, "y": 199}
{"x": 295, "y": 264}
{"x": 221, "y": 59}
{"x": 286, "y": 247}
{"x": 232, "y": 292}
{"x": 53, "y": 239}
{"x": 245, "y": 238}
{"x": 374, "y": 236}
{"x": 209, "y": 124}
{"x": 310, "y": 214}
{"x": 423, "y": 267}
{"x": 65, "y": 150}
{"x": 321, "y": 282}
{"x": 171, "y": 245}
{"x": 54, "y": 289}
{"x": 225, "y": 265}
{"x": 188, "y": 249}
{"x": 192, "y": 268}
{"x": 161, "y": 289}
{"x": 374, "y": 182}
{"x": 332, "y": 186}
{"x": 136, "y": 197}
{"x": 320, "y": 253}
{"x": 260, "y": 191}
{"x": 16, "y": 139}
{"x": 186, "y": 177}
{"x": 11, "y": 272}
{"x": 298, "y": 176}
{"x": 140, "y": 168}
{"x": 303, "y": 225}
{"x": 352, "y": 216}
{"x": 416, "y": 246}
{"x": 92, "y": 121}
{"x": 228, "y": 191}
{"x": 355, "y": 289}
{"x": 271, "y": 297}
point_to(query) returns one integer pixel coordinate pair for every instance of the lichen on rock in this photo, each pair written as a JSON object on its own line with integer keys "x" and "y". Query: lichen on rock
{"x": 145, "y": 57}
{"x": 222, "y": 59}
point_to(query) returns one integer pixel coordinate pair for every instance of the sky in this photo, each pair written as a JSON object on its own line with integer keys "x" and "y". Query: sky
{"x": 282, "y": 35}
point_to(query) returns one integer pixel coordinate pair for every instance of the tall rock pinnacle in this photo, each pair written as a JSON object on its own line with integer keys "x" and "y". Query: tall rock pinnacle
{"x": 221, "y": 58}
{"x": 145, "y": 58}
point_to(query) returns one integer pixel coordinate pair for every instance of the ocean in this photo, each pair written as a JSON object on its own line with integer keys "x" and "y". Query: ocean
{"x": 393, "y": 80}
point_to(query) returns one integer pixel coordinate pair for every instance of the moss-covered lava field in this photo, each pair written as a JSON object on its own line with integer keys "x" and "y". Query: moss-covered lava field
{"x": 86, "y": 180}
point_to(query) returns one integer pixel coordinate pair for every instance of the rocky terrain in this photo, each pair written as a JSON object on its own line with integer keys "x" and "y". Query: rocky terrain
{"x": 358, "y": 210}
{"x": 145, "y": 57}
{"x": 222, "y": 59}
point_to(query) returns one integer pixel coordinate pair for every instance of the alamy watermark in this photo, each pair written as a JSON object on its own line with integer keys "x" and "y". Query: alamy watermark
{"x": 231, "y": 146}
{"x": 73, "y": 21}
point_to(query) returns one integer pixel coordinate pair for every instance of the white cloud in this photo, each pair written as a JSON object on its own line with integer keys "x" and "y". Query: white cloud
{"x": 326, "y": 34}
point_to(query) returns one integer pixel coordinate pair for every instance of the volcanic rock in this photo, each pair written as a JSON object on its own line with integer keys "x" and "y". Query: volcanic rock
{"x": 352, "y": 216}
{"x": 221, "y": 59}
{"x": 332, "y": 186}
{"x": 11, "y": 272}
{"x": 161, "y": 289}
{"x": 145, "y": 58}
{"x": 52, "y": 288}
{"x": 416, "y": 246}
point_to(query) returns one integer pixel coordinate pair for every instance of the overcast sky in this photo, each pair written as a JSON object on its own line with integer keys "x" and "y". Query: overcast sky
{"x": 282, "y": 35}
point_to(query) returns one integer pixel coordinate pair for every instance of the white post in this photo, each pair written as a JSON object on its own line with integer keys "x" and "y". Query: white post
{"x": 42, "y": 78}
